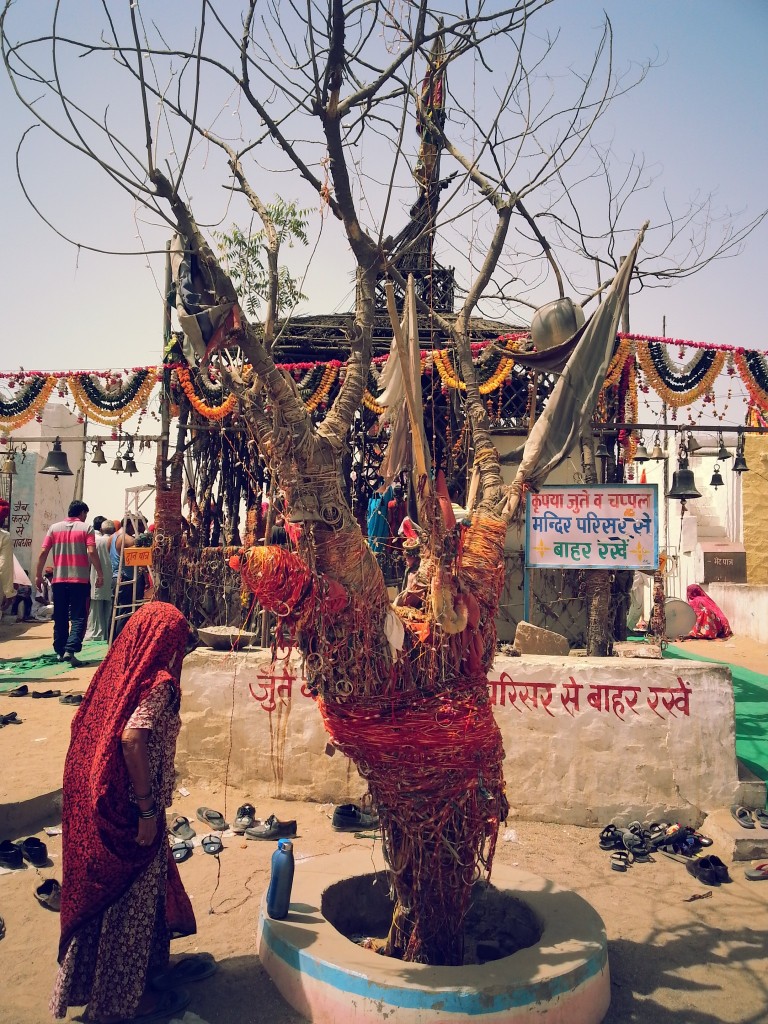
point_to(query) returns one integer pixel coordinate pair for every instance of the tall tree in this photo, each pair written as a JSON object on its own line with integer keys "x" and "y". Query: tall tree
{"x": 329, "y": 92}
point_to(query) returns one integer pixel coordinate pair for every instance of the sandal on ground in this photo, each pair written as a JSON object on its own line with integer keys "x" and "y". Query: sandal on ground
{"x": 46, "y": 693}
{"x": 743, "y": 816}
{"x": 620, "y": 860}
{"x": 181, "y": 829}
{"x": 48, "y": 894}
{"x": 213, "y": 819}
{"x": 20, "y": 691}
{"x": 212, "y": 845}
{"x": 759, "y": 873}
{"x": 610, "y": 838}
{"x": 187, "y": 970}
{"x": 75, "y": 699}
{"x": 761, "y": 817}
{"x": 182, "y": 851}
{"x": 245, "y": 818}
{"x": 10, "y": 719}
{"x": 170, "y": 1004}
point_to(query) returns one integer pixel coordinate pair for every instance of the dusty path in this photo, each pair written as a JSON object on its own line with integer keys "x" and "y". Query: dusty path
{"x": 672, "y": 962}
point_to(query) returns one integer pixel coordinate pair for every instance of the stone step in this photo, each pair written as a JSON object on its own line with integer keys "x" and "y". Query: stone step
{"x": 734, "y": 842}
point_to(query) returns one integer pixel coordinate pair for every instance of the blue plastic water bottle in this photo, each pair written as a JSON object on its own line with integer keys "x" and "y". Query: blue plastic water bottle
{"x": 281, "y": 881}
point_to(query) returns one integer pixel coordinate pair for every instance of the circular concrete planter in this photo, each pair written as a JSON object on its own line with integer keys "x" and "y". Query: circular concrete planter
{"x": 562, "y": 979}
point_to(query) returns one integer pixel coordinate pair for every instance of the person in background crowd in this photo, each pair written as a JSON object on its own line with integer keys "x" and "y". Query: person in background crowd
{"x": 122, "y": 899}
{"x": 100, "y": 615}
{"x": 7, "y": 588}
{"x": 73, "y": 547}
{"x": 124, "y": 538}
{"x": 97, "y": 521}
{"x": 21, "y": 605}
{"x": 711, "y": 624}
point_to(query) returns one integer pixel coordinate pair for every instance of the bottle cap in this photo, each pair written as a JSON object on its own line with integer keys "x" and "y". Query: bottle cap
{"x": 285, "y": 844}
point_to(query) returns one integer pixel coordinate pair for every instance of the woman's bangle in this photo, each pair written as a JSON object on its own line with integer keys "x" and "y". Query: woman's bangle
{"x": 146, "y": 796}
{"x": 151, "y": 813}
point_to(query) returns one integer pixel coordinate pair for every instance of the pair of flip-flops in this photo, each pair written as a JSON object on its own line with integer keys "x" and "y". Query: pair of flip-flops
{"x": 213, "y": 819}
{"x": 745, "y": 819}
{"x": 183, "y": 851}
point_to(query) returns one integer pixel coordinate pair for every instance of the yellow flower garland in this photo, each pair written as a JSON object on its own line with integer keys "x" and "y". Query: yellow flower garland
{"x": 442, "y": 361}
{"x": 21, "y": 418}
{"x": 678, "y": 398}
{"x": 119, "y": 416}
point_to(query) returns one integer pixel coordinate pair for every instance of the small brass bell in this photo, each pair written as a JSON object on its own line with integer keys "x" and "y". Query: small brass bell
{"x": 723, "y": 453}
{"x": 717, "y": 480}
{"x": 99, "y": 458}
{"x": 740, "y": 463}
{"x": 117, "y": 465}
{"x": 641, "y": 455}
{"x": 692, "y": 444}
{"x": 658, "y": 452}
{"x": 602, "y": 451}
{"x": 130, "y": 466}
{"x": 9, "y": 465}
{"x": 56, "y": 463}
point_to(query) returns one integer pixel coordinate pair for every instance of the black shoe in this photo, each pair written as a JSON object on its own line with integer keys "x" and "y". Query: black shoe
{"x": 244, "y": 819}
{"x": 272, "y": 829}
{"x": 10, "y": 855}
{"x": 73, "y": 660}
{"x": 350, "y": 818}
{"x": 34, "y": 850}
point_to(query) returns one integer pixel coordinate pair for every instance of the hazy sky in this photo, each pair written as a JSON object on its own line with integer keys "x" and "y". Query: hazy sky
{"x": 699, "y": 120}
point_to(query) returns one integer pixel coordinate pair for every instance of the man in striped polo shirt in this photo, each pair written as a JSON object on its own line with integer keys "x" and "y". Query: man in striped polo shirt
{"x": 74, "y": 552}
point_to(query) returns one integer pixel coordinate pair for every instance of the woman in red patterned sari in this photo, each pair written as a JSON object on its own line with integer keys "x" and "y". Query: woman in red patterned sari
{"x": 122, "y": 898}
{"x": 711, "y": 624}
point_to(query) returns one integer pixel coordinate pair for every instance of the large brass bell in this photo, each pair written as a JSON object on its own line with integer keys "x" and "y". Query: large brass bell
{"x": 130, "y": 466}
{"x": 56, "y": 464}
{"x": 740, "y": 463}
{"x": 683, "y": 483}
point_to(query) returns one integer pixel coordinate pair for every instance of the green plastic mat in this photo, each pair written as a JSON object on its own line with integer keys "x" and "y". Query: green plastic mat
{"x": 750, "y": 694}
{"x": 41, "y": 667}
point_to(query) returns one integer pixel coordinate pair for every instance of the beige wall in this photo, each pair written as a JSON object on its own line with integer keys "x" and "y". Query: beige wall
{"x": 755, "y": 508}
{"x": 578, "y": 750}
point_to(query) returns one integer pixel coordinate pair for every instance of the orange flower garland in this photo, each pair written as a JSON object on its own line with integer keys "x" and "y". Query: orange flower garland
{"x": 210, "y": 412}
{"x": 324, "y": 388}
{"x": 756, "y": 395}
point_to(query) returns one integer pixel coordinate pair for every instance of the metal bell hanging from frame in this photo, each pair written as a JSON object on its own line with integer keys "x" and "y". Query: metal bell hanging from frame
{"x": 56, "y": 464}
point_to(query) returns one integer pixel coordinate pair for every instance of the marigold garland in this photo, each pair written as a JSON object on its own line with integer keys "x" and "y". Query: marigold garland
{"x": 210, "y": 412}
{"x": 704, "y": 376}
{"x": 119, "y": 415}
{"x": 757, "y": 395}
{"x": 28, "y": 407}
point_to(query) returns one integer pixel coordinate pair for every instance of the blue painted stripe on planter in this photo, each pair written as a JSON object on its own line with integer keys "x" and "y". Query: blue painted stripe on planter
{"x": 466, "y": 1002}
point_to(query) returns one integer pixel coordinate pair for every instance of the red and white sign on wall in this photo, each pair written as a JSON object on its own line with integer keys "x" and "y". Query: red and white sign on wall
{"x": 610, "y": 526}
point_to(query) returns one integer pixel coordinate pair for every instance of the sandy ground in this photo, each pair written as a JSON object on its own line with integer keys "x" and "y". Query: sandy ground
{"x": 671, "y": 961}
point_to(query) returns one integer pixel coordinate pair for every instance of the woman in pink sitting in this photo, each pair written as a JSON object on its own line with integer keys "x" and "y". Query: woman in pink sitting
{"x": 711, "y": 624}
